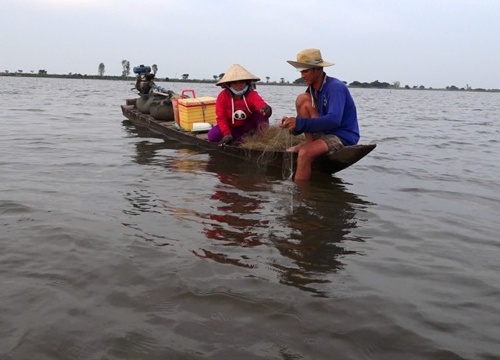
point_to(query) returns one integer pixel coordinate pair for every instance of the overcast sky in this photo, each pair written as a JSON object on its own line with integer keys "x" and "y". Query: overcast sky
{"x": 435, "y": 43}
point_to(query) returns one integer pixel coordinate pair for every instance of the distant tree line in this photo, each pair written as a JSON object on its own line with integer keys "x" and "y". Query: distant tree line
{"x": 101, "y": 69}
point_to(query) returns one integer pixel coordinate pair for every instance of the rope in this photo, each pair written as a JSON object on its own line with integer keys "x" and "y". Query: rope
{"x": 287, "y": 169}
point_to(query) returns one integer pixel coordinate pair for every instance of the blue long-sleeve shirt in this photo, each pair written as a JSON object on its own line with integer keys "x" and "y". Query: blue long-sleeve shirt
{"x": 337, "y": 113}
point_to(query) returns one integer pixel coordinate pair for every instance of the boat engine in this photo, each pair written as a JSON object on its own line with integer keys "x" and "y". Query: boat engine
{"x": 144, "y": 82}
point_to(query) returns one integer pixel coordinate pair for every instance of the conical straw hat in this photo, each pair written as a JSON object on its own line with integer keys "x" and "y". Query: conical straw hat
{"x": 236, "y": 73}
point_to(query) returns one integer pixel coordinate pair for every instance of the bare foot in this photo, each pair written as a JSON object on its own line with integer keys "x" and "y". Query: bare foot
{"x": 295, "y": 148}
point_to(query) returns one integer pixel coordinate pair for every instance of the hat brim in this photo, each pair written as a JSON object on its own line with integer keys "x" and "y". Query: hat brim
{"x": 300, "y": 66}
{"x": 237, "y": 73}
{"x": 223, "y": 82}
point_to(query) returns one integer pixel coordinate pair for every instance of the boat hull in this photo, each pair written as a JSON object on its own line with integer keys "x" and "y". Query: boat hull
{"x": 326, "y": 164}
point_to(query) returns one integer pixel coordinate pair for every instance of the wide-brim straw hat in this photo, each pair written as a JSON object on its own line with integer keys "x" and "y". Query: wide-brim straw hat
{"x": 237, "y": 73}
{"x": 309, "y": 58}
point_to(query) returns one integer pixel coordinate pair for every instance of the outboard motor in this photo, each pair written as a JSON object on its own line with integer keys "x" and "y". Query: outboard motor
{"x": 144, "y": 81}
{"x": 141, "y": 69}
{"x": 153, "y": 99}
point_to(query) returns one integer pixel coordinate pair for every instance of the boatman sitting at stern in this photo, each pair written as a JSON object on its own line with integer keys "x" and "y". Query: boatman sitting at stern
{"x": 326, "y": 113}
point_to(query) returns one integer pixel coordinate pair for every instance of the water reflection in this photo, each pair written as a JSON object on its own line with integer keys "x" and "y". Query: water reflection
{"x": 237, "y": 211}
{"x": 145, "y": 149}
{"x": 320, "y": 222}
{"x": 308, "y": 225}
{"x": 236, "y": 217}
{"x": 297, "y": 235}
{"x": 137, "y": 131}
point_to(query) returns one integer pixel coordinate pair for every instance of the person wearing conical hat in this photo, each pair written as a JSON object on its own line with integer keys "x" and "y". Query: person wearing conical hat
{"x": 239, "y": 108}
{"x": 326, "y": 113}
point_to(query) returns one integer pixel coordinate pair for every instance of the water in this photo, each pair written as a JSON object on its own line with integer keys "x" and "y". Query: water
{"x": 115, "y": 244}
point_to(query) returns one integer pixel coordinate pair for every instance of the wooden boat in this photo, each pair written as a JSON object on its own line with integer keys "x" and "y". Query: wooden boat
{"x": 327, "y": 164}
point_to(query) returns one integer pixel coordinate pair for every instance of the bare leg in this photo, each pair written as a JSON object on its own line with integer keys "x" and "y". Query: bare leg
{"x": 304, "y": 107}
{"x": 307, "y": 153}
{"x": 310, "y": 149}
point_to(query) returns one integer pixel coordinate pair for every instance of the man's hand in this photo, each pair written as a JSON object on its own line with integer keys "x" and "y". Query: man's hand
{"x": 289, "y": 123}
{"x": 226, "y": 140}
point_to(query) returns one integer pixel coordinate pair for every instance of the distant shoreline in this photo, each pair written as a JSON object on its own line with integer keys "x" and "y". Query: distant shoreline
{"x": 355, "y": 84}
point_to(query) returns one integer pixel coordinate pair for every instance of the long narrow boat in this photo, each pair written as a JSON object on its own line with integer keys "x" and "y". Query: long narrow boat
{"x": 327, "y": 164}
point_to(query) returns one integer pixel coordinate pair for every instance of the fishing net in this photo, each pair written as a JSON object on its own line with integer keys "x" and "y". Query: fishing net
{"x": 271, "y": 138}
{"x": 270, "y": 141}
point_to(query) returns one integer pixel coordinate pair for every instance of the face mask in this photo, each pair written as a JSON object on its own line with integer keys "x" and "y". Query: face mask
{"x": 241, "y": 92}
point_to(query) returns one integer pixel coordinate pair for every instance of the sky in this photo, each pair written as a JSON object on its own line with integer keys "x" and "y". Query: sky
{"x": 434, "y": 43}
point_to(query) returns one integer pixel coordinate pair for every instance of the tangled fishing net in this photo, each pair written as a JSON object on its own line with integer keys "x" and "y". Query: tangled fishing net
{"x": 270, "y": 141}
{"x": 272, "y": 138}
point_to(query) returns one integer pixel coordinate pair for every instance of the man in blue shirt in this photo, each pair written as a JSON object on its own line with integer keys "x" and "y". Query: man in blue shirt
{"x": 326, "y": 113}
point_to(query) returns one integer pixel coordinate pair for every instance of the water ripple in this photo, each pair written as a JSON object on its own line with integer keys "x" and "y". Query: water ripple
{"x": 116, "y": 243}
